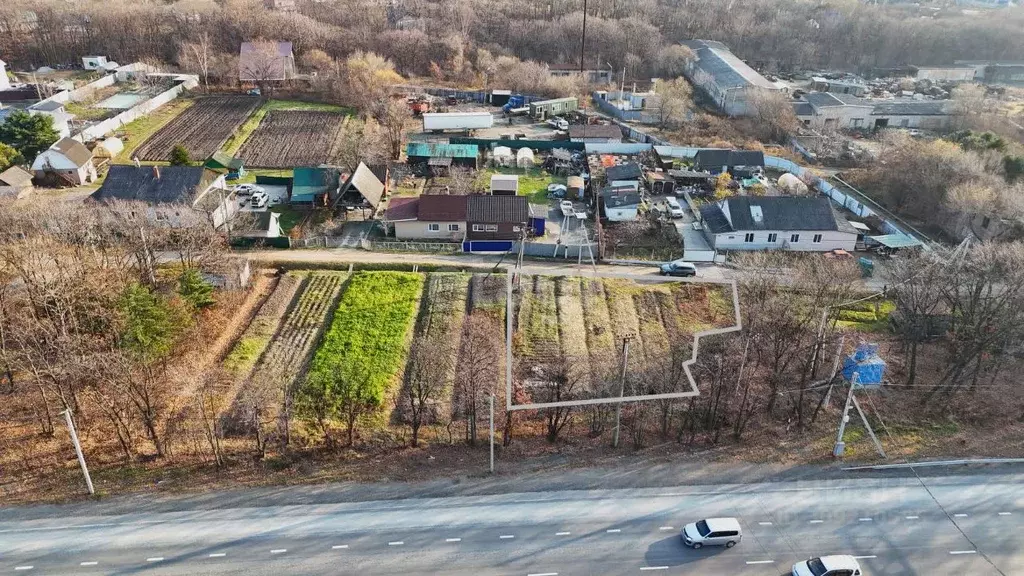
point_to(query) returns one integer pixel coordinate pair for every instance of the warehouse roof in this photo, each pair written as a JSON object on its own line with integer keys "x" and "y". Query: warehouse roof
{"x": 497, "y": 209}
{"x": 155, "y": 184}
{"x": 725, "y": 67}
{"x": 911, "y": 108}
{"x": 436, "y": 150}
{"x": 596, "y": 131}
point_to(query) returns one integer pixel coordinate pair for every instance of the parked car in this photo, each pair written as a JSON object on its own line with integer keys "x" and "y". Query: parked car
{"x": 558, "y": 123}
{"x": 259, "y": 199}
{"x": 675, "y": 209}
{"x": 712, "y": 532}
{"x": 678, "y": 268}
{"x": 838, "y": 565}
{"x": 567, "y": 208}
{"x": 247, "y": 189}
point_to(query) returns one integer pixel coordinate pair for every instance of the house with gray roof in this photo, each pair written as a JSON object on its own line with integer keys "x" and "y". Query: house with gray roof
{"x": 800, "y": 223}
{"x": 170, "y": 194}
{"x": 829, "y": 111}
{"x": 68, "y": 161}
{"x": 727, "y": 80}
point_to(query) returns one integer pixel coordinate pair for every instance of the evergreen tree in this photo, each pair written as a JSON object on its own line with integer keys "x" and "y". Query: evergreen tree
{"x": 28, "y": 134}
{"x": 9, "y": 156}
{"x": 195, "y": 290}
{"x": 179, "y": 156}
{"x": 151, "y": 323}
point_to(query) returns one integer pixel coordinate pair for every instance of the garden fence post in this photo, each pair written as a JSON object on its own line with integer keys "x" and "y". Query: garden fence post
{"x": 492, "y": 432}
{"x": 78, "y": 450}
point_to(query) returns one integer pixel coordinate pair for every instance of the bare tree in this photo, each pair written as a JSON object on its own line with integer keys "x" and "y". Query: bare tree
{"x": 197, "y": 56}
{"x": 391, "y": 114}
{"x": 430, "y": 365}
{"x": 773, "y": 114}
{"x": 477, "y": 369}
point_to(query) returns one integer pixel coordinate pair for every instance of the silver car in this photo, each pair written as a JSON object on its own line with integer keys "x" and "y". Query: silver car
{"x": 712, "y": 532}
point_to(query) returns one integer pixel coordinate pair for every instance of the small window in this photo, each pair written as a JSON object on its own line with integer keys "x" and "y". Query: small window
{"x": 749, "y": 237}
{"x": 794, "y": 238}
{"x": 816, "y": 239}
{"x": 517, "y": 228}
{"x": 773, "y": 238}
{"x": 491, "y": 228}
{"x": 478, "y": 227}
{"x": 433, "y": 227}
{"x": 453, "y": 227}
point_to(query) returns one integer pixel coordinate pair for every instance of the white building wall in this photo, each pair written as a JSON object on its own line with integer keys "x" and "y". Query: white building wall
{"x": 830, "y": 240}
{"x": 915, "y": 121}
{"x": 418, "y": 230}
{"x": 842, "y": 117}
{"x": 622, "y": 214}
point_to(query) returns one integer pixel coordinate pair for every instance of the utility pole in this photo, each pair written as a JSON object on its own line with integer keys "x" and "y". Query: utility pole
{"x": 78, "y": 450}
{"x": 840, "y": 446}
{"x": 622, "y": 390}
{"x": 492, "y": 433}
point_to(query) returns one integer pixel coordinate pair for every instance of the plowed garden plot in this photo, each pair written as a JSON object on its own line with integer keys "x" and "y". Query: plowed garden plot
{"x": 290, "y": 138}
{"x": 202, "y": 129}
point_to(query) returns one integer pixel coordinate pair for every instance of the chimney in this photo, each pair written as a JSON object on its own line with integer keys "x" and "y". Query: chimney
{"x": 156, "y": 172}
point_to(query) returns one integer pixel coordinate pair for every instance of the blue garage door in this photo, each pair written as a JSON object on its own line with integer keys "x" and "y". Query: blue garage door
{"x": 487, "y": 246}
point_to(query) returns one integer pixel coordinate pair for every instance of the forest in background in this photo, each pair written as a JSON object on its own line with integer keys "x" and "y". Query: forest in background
{"x": 418, "y": 35}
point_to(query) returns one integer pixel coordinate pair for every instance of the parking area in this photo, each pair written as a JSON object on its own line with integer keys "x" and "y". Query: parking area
{"x": 277, "y": 195}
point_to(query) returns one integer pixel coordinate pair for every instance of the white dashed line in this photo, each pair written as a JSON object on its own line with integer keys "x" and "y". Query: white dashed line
{"x": 544, "y": 574}
{"x": 666, "y": 528}
{"x": 955, "y": 552}
{"x": 760, "y": 561}
{"x": 396, "y": 543}
{"x": 816, "y": 521}
{"x": 764, "y": 523}
{"x": 863, "y": 519}
{"x": 217, "y": 555}
{"x": 563, "y": 533}
{"x": 613, "y": 530}
{"x": 157, "y": 559}
{"x": 911, "y": 517}
{"x": 644, "y": 568}
{"x": 507, "y": 536}
{"x": 88, "y": 563}
{"x": 1005, "y": 513}
{"x": 279, "y": 551}
{"x": 865, "y": 557}
{"x": 339, "y": 547}
{"x": 453, "y": 539}
{"x": 959, "y": 515}
{"x": 24, "y": 567}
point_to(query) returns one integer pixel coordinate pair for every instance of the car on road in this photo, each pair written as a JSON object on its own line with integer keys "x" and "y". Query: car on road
{"x": 678, "y": 268}
{"x": 712, "y": 532}
{"x": 837, "y": 565}
{"x": 247, "y": 189}
{"x": 675, "y": 209}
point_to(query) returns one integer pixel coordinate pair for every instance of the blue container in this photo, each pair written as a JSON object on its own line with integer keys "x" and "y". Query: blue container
{"x": 866, "y": 363}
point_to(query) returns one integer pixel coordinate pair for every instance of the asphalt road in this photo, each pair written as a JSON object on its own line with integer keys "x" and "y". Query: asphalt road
{"x": 893, "y": 524}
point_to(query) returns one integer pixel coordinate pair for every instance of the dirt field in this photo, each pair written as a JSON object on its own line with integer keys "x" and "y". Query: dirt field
{"x": 290, "y": 138}
{"x": 202, "y": 129}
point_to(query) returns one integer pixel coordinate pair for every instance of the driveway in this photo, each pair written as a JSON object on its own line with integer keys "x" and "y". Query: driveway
{"x": 278, "y": 196}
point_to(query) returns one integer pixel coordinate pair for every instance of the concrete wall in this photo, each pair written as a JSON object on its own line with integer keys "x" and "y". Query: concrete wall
{"x": 841, "y": 117}
{"x": 622, "y": 214}
{"x": 946, "y": 74}
{"x": 109, "y": 125}
{"x": 915, "y": 121}
{"x": 830, "y": 240}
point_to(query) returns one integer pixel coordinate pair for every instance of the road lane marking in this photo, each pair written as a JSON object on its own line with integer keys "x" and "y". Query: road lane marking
{"x": 339, "y": 547}
{"x": 155, "y": 559}
{"x": 507, "y": 536}
{"x": 760, "y": 561}
{"x": 544, "y": 574}
{"x": 1005, "y": 513}
{"x": 666, "y": 528}
{"x": 88, "y": 563}
{"x": 613, "y": 530}
{"x": 24, "y": 567}
{"x": 816, "y": 521}
{"x": 865, "y": 557}
{"x": 217, "y": 555}
{"x": 911, "y": 517}
{"x": 654, "y": 568}
{"x": 764, "y": 523}
{"x": 955, "y": 552}
{"x": 959, "y": 515}
{"x": 279, "y": 551}
{"x": 864, "y": 519}
{"x": 453, "y": 539}
{"x": 396, "y": 543}
{"x": 562, "y": 533}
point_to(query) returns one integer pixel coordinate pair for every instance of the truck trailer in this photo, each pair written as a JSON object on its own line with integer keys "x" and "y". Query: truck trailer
{"x": 441, "y": 121}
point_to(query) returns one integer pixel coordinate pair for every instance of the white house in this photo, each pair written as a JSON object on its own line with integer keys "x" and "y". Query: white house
{"x": 55, "y": 110}
{"x": 69, "y": 159}
{"x": 801, "y": 223}
{"x": 620, "y": 205}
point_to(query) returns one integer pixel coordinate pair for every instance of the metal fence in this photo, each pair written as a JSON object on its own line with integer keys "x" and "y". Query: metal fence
{"x": 400, "y": 246}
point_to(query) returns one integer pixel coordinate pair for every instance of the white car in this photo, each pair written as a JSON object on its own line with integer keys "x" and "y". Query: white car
{"x": 674, "y": 208}
{"x": 838, "y": 565}
{"x": 247, "y": 189}
{"x": 259, "y": 199}
{"x": 712, "y": 532}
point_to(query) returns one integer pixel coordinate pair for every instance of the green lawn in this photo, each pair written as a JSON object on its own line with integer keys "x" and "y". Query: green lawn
{"x": 235, "y": 142}
{"x": 290, "y": 217}
{"x": 533, "y": 182}
{"x": 135, "y": 133}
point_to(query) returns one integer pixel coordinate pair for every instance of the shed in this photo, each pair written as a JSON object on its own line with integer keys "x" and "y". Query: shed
{"x": 575, "y": 186}
{"x": 544, "y": 109}
{"x": 503, "y": 156}
{"x": 309, "y": 183}
{"x": 15, "y": 182}
{"x": 108, "y": 148}
{"x": 362, "y": 187}
{"x": 500, "y": 97}
{"x": 466, "y": 155}
{"x": 223, "y": 162}
{"x": 504, "y": 184}
{"x": 524, "y": 158}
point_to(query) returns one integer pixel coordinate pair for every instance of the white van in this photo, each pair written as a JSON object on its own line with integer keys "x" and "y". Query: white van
{"x": 712, "y": 532}
{"x": 259, "y": 199}
{"x": 836, "y": 565}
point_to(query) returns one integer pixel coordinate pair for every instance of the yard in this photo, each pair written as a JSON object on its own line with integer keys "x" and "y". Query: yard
{"x": 135, "y": 133}
{"x": 234, "y": 143}
{"x": 533, "y": 182}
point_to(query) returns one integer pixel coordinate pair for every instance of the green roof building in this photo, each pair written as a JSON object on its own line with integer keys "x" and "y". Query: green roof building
{"x": 222, "y": 161}
{"x": 467, "y": 155}
{"x": 308, "y": 183}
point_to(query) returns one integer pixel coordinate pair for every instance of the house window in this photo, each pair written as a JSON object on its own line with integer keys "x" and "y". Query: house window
{"x": 794, "y": 238}
{"x": 749, "y": 237}
{"x": 491, "y": 228}
{"x": 433, "y": 227}
{"x": 773, "y": 238}
{"x": 517, "y": 228}
{"x": 857, "y": 122}
{"x": 453, "y": 227}
{"x": 816, "y": 239}
{"x": 161, "y": 216}
{"x": 478, "y": 227}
